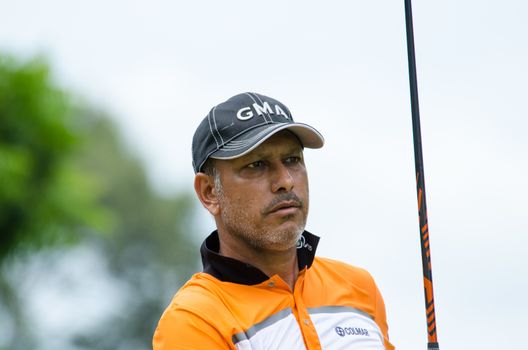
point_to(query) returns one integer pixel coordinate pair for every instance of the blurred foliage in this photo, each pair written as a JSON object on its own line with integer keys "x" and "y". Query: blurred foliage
{"x": 151, "y": 252}
{"x": 65, "y": 177}
{"x": 43, "y": 196}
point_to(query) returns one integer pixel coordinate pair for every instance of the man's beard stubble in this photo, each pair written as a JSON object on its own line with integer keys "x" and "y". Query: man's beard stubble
{"x": 237, "y": 221}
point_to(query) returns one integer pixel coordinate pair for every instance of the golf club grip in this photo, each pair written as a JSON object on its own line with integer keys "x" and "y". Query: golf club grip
{"x": 420, "y": 185}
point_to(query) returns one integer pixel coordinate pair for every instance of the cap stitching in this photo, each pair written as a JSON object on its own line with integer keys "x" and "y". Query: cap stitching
{"x": 211, "y": 128}
{"x": 240, "y": 144}
{"x": 248, "y": 130}
{"x": 216, "y": 127}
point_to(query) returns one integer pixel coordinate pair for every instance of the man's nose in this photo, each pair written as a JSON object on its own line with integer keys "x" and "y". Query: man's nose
{"x": 282, "y": 180}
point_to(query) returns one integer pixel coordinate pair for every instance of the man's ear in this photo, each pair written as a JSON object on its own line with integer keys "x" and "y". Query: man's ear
{"x": 206, "y": 192}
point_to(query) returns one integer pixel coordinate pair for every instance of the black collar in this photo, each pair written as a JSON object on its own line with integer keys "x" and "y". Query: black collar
{"x": 235, "y": 271}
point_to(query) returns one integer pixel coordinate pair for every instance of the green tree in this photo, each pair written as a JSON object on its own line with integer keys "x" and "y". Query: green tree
{"x": 43, "y": 197}
{"x": 151, "y": 252}
{"x": 65, "y": 177}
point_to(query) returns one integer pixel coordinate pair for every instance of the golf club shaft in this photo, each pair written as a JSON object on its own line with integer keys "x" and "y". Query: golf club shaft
{"x": 432, "y": 342}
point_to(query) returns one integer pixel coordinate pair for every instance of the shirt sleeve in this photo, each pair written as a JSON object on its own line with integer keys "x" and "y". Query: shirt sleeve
{"x": 180, "y": 329}
{"x": 381, "y": 319}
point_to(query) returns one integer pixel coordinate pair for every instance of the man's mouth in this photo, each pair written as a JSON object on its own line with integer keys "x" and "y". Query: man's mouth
{"x": 285, "y": 207}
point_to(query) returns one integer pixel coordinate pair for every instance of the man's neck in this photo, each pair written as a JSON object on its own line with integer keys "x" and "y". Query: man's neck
{"x": 282, "y": 263}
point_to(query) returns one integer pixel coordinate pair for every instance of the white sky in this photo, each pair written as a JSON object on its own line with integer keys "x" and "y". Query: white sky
{"x": 341, "y": 66}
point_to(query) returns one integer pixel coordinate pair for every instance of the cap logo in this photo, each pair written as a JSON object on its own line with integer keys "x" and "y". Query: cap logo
{"x": 247, "y": 113}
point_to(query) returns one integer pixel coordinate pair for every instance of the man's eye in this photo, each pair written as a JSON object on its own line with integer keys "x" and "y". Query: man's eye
{"x": 256, "y": 164}
{"x": 293, "y": 160}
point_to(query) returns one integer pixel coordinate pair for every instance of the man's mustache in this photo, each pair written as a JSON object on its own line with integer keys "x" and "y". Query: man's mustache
{"x": 285, "y": 197}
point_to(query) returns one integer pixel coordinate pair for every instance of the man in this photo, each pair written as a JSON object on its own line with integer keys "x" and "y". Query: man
{"x": 262, "y": 286}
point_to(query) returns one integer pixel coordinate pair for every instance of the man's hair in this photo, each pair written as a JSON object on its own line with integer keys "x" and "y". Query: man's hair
{"x": 210, "y": 169}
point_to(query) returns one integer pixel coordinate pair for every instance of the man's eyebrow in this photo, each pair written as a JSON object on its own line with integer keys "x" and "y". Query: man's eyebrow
{"x": 295, "y": 149}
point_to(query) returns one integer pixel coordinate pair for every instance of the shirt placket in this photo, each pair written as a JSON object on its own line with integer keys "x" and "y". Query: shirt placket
{"x": 310, "y": 336}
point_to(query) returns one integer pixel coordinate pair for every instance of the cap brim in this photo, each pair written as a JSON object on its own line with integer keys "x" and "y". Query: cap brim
{"x": 247, "y": 142}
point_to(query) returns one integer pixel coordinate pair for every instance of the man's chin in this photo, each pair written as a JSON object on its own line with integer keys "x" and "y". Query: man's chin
{"x": 283, "y": 240}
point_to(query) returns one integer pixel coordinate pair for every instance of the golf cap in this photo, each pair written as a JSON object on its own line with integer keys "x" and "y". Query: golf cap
{"x": 239, "y": 125}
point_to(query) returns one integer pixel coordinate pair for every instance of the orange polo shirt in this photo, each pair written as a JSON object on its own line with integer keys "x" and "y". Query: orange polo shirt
{"x": 233, "y": 305}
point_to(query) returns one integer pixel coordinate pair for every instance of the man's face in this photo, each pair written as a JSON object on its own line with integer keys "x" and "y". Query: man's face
{"x": 264, "y": 198}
